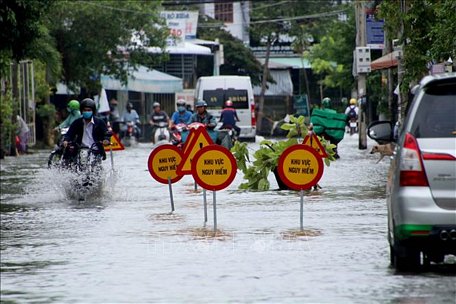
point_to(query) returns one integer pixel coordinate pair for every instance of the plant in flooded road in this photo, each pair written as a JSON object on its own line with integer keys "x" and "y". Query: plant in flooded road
{"x": 266, "y": 158}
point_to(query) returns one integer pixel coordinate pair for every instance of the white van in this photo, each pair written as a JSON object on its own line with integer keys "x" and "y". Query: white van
{"x": 215, "y": 90}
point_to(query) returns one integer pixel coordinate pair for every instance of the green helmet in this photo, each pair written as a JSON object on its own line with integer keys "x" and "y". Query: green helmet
{"x": 73, "y": 105}
{"x": 326, "y": 102}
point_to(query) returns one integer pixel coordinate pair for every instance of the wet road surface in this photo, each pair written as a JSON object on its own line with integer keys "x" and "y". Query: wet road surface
{"x": 124, "y": 246}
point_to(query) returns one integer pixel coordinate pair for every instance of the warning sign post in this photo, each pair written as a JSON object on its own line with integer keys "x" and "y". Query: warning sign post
{"x": 116, "y": 145}
{"x": 162, "y": 164}
{"x": 214, "y": 168}
{"x": 300, "y": 167}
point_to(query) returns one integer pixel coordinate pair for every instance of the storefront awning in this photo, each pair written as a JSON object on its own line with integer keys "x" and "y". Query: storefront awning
{"x": 186, "y": 48}
{"x": 145, "y": 80}
{"x": 385, "y": 62}
{"x": 282, "y": 87}
{"x": 286, "y": 63}
{"x": 292, "y": 62}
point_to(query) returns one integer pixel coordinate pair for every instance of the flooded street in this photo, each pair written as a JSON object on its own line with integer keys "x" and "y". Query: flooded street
{"x": 124, "y": 246}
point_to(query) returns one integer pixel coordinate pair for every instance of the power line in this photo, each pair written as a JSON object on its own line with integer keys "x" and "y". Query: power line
{"x": 314, "y": 16}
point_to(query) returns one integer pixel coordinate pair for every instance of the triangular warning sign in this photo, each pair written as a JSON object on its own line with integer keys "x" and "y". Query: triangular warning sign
{"x": 314, "y": 142}
{"x": 188, "y": 140}
{"x": 116, "y": 145}
{"x": 198, "y": 140}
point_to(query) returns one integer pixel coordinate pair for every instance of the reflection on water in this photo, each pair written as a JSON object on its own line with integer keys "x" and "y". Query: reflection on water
{"x": 125, "y": 241}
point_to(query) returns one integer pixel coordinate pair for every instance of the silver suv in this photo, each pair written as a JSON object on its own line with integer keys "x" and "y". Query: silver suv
{"x": 421, "y": 187}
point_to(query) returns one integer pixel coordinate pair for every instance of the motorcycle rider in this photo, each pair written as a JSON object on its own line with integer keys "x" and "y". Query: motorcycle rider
{"x": 181, "y": 116}
{"x": 229, "y": 117}
{"x": 88, "y": 129}
{"x": 157, "y": 116}
{"x": 114, "y": 115}
{"x": 326, "y": 103}
{"x": 352, "y": 112}
{"x": 130, "y": 116}
{"x": 73, "y": 114}
{"x": 203, "y": 116}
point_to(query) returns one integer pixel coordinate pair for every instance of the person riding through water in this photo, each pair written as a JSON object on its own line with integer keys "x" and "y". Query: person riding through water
{"x": 352, "y": 110}
{"x": 73, "y": 114}
{"x": 326, "y": 103}
{"x": 328, "y": 124}
{"x": 88, "y": 130}
{"x": 181, "y": 116}
{"x": 158, "y": 116}
{"x": 130, "y": 116}
{"x": 229, "y": 117}
{"x": 204, "y": 117}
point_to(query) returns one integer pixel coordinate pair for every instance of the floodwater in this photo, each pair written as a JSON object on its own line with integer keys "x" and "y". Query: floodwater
{"x": 125, "y": 246}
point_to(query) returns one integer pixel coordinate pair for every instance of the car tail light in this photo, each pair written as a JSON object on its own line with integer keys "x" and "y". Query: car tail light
{"x": 411, "y": 164}
{"x": 252, "y": 113}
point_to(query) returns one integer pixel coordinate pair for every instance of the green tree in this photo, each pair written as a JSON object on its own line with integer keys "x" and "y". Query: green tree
{"x": 425, "y": 29}
{"x": 273, "y": 19}
{"x": 96, "y": 37}
{"x": 332, "y": 57}
{"x": 24, "y": 36}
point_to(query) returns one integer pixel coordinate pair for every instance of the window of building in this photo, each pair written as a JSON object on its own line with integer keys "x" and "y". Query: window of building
{"x": 223, "y": 11}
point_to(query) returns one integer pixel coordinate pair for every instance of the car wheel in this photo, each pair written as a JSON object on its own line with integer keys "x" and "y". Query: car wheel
{"x": 405, "y": 259}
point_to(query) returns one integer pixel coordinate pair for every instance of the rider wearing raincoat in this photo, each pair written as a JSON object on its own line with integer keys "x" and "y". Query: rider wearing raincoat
{"x": 73, "y": 114}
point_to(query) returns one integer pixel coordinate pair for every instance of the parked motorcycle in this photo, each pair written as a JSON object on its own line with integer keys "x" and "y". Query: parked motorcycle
{"x": 161, "y": 134}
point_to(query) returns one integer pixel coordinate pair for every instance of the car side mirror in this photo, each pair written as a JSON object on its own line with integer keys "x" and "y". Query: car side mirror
{"x": 381, "y": 131}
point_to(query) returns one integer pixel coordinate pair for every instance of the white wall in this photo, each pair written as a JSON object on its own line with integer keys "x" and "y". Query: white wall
{"x": 241, "y": 19}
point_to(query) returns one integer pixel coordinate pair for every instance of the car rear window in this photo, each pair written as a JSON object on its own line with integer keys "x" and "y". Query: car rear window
{"x": 436, "y": 113}
{"x": 216, "y": 98}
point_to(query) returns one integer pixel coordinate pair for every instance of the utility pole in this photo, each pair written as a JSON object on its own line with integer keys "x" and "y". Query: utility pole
{"x": 361, "y": 79}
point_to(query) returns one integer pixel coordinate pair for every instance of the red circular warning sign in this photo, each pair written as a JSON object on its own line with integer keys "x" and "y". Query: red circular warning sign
{"x": 214, "y": 167}
{"x": 163, "y": 162}
{"x": 300, "y": 167}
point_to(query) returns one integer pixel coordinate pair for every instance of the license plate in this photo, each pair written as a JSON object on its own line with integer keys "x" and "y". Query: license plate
{"x": 353, "y": 125}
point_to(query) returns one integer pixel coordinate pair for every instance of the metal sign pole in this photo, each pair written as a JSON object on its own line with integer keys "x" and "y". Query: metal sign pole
{"x": 215, "y": 211}
{"x": 302, "y": 209}
{"x": 112, "y": 157}
{"x": 171, "y": 194}
{"x": 205, "y": 207}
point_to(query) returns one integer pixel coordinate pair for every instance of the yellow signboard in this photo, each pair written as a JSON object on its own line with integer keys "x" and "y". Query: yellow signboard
{"x": 214, "y": 167}
{"x": 116, "y": 145}
{"x": 163, "y": 162}
{"x": 300, "y": 167}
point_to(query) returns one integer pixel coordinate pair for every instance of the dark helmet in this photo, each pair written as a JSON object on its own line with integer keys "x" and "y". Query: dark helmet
{"x": 129, "y": 106}
{"x": 88, "y": 103}
{"x": 200, "y": 103}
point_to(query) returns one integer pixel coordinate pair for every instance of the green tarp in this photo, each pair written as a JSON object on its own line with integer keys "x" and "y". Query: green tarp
{"x": 329, "y": 122}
